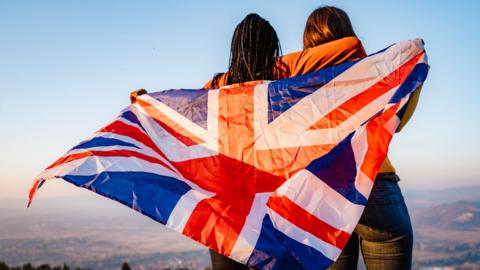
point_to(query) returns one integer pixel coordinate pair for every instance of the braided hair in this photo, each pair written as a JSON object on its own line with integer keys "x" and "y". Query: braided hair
{"x": 254, "y": 48}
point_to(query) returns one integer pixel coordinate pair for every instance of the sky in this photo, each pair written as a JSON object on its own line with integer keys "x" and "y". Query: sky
{"x": 67, "y": 68}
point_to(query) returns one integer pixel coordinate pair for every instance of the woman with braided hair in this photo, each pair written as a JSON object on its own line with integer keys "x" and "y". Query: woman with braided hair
{"x": 254, "y": 52}
{"x": 256, "y": 55}
{"x": 254, "y": 48}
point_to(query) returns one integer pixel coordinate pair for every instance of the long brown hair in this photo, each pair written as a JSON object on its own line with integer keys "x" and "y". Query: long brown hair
{"x": 255, "y": 46}
{"x": 326, "y": 24}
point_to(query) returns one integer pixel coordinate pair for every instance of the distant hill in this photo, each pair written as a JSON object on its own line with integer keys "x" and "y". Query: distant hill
{"x": 98, "y": 233}
{"x": 462, "y": 215}
{"x": 432, "y": 197}
{"x": 446, "y": 225}
{"x": 91, "y": 232}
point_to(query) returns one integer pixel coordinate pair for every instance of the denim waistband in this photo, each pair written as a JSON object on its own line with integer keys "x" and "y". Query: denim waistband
{"x": 388, "y": 176}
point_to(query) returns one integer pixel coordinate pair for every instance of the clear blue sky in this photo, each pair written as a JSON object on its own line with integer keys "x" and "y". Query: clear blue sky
{"x": 67, "y": 67}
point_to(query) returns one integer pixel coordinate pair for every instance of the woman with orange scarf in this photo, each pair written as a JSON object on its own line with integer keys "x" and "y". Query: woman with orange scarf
{"x": 384, "y": 231}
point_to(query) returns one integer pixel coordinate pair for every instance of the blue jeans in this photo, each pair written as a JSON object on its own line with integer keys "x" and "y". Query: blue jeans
{"x": 384, "y": 232}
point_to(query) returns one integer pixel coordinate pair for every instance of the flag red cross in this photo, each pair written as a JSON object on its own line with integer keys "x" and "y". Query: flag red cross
{"x": 237, "y": 173}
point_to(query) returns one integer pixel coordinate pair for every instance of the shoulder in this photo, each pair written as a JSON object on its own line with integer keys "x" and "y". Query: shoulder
{"x": 321, "y": 56}
{"x": 221, "y": 80}
{"x": 345, "y": 45}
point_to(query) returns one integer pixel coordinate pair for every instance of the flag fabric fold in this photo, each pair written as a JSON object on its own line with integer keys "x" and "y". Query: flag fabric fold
{"x": 273, "y": 174}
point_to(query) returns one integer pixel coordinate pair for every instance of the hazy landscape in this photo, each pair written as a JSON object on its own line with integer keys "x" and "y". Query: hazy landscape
{"x": 446, "y": 227}
{"x": 96, "y": 233}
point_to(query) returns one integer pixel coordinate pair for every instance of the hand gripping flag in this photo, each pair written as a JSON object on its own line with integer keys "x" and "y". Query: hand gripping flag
{"x": 274, "y": 175}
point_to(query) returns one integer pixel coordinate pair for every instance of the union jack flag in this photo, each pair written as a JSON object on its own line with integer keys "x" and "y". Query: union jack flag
{"x": 273, "y": 174}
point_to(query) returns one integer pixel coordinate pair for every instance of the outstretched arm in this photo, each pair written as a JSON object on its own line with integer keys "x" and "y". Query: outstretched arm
{"x": 135, "y": 94}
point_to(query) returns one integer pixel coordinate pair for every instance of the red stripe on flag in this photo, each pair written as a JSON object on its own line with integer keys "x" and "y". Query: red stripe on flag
{"x": 227, "y": 211}
{"x": 307, "y": 222}
{"x": 120, "y": 128}
{"x": 170, "y": 126}
{"x": 33, "y": 190}
{"x": 355, "y": 104}
{"x": 378, "y": 139}
{"x": 217, "y": 223}
{"x": 111, "y": 153}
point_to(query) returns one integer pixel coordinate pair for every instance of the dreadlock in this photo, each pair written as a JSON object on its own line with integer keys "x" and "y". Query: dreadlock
{"x": 255, "y": 46}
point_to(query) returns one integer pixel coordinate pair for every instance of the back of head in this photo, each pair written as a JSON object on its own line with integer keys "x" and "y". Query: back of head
{"x": 326, "y": 24}
{"x": 254, "y": 48}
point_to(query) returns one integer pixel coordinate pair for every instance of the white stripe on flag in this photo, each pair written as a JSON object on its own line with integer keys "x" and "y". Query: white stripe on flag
{"x": 251, "y": 230}
{"x": 320, "y": 200}
{"x": 94, "y": 165}
{"x": 140, "y": 147}
{"x": 174, "y": 149}
{"x": 304, "y": 237}
{"x": 359, "y": 144}
{"x": 184, "y": 208}
{"x": 212, "y": 120}
{"x": 363, "y": 183}
{"x": 392, "y": 124}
